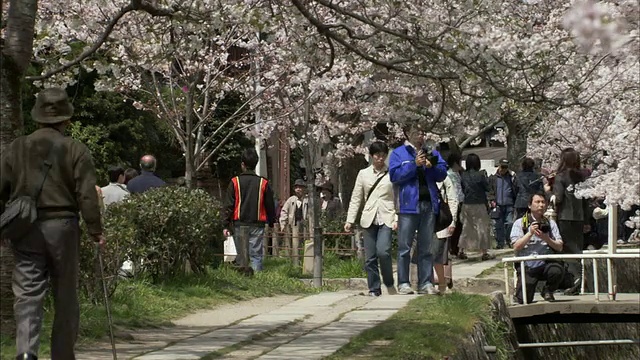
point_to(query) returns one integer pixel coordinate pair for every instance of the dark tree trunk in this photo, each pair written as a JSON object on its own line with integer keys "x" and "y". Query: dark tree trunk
{"x": 517, "y": 134}
{"x": 15, "y": 54}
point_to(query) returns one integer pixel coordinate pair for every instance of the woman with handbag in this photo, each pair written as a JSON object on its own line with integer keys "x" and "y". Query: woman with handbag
{"x": 372, "y": 197}
{"x": 440, "y": 248}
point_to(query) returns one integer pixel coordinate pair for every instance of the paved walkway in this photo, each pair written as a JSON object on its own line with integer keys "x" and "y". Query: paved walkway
{"x": 283, "y": 327}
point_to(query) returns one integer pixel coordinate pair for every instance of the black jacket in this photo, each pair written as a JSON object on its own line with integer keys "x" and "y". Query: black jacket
{"x": 527, "y": 183}
{"x": 249, "y": 201}
{"x": 475, "y": 187}
{"x": 568, "y": 206}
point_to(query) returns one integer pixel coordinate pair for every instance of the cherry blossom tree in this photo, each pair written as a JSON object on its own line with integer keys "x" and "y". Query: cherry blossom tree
{"x": 186, "y": 68}
{"x": 604, "y": 128}
{"x": 498, "y": 60}
{"x": 17, "y": 47}
{"x": 319, "y": 97}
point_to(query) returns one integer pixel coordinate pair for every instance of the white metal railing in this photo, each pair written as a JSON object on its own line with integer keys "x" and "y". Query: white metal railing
{"x": 592, "y": 256}
{"x": 611, "y": 252}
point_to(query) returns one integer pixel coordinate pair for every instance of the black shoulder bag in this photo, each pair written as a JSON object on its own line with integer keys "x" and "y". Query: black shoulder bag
{"x": 22, "y": 212}
{"x": 374, "y": 186}
{"x": 444, "y": 218}
{"x": 357, "y": 221}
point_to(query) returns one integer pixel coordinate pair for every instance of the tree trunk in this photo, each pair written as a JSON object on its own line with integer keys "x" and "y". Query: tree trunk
{"x": 189, "y": 151}
{"x": 516, "y": 141}
{"x": 15, "y": 51}
{"x": 189, "y": 171}
{"x": 453, "y": 146}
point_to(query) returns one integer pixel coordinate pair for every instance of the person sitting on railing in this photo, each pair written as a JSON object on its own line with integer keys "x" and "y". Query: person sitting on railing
{"x": 533, "y": 234}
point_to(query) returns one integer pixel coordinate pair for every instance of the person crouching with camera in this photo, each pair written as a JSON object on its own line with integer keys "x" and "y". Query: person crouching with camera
{"x": 533, "y": 234}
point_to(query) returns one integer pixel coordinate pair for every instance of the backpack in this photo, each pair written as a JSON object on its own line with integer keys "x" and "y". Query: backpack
{"x": 22, "y": 212}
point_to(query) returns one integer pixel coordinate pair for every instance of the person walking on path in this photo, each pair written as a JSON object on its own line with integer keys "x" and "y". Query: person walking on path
{"x": 528, "y": 182}
{"x": 454, "y": 161}
{"x": 293, "y": 216}
{"x": 414, "y": 172}
{"x": 476, "y": 224}
{"x": 49, "y": 252}
{"x": 373, "y": 192}
{"x": 502, "y": 196}
{"x": 249, "y": 205}
{"x": 573, "y": 213}
{"x": 440, "y": 247}
{"x": 147, "y": 179}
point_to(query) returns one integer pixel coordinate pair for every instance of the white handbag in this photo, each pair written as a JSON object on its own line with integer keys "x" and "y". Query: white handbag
{"x": 229, "y": 249}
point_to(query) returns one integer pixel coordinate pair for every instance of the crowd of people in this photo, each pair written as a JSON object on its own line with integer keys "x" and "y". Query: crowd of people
{"x": 504, "y": 209}
{"x": 49, "y": 179}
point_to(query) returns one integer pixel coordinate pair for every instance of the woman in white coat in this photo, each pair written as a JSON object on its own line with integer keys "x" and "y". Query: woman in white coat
{"x": 440, "y": 248}
{"x": 373, "y": 188}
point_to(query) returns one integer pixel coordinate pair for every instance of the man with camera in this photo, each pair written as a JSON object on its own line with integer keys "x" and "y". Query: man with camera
{"x": 414, "y": 170}
{"x": 533, "y": 234}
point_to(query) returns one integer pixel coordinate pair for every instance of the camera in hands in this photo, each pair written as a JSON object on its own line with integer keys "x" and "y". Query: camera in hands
{"x": 543, "y": 226}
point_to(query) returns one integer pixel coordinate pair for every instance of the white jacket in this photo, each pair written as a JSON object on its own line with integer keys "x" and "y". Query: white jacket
{"x": 379, "y": 203}
{"x": 448, "y": 191}
{"x": 113, "y": 193}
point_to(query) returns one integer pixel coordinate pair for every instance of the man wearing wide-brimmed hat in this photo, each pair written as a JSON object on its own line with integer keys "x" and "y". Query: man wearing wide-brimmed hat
{"x": 50, "y": 249}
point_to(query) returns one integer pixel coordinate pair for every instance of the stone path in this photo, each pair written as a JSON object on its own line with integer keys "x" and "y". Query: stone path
{"x": 283, "y": 327}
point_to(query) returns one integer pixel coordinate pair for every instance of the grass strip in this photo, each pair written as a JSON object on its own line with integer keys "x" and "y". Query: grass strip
{"x": 429, "y": 327}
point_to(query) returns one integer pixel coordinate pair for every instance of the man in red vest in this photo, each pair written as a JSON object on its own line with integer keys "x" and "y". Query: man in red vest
{"x": 249, "y": 205}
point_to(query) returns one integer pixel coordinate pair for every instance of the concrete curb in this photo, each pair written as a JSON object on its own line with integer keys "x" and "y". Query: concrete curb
{"x": 346, "y": 284}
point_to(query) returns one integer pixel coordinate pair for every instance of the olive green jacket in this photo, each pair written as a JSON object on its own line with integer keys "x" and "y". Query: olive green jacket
{"x": 70, "y": 186}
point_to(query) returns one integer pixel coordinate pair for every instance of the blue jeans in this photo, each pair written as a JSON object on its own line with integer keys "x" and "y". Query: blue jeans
{"x": 424, "y": 223}
{"x": 377, "y": 247}
{"x": 503, "y": 223}
{"x": 256, "y": 234}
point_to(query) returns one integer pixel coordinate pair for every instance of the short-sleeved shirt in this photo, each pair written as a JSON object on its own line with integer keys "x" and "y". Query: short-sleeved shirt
{"x": 535, "y": 245}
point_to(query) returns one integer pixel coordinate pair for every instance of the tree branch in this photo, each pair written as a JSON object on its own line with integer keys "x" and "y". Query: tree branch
{"x": 479, "y": 133}
{"x": 331, "y": 59}
{"x": 142, "y": 5}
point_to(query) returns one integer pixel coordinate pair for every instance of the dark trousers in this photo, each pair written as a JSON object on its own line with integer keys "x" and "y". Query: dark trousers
{"x": 573, "y": 243}
{"x": 503, "y": 223}
{"x": 455, "y": 237}
{"x": 50, "y": 252}
{"x": 551, "y": 273}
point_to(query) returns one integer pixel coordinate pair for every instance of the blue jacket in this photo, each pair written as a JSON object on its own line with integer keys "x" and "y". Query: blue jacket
{"x": 145, "y": 181}
{"x": 404, "y": 176}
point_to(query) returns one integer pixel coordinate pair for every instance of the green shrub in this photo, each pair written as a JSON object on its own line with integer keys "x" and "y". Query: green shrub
{"x": 159, "y": 231}
{"x": 175, "y": 225}
{"x": 333, "y": 226}
{"x": 121, "y": 233}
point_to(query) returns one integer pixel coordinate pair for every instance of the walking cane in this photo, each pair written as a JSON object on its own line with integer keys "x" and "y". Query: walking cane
{"x": 106, "y": 304}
